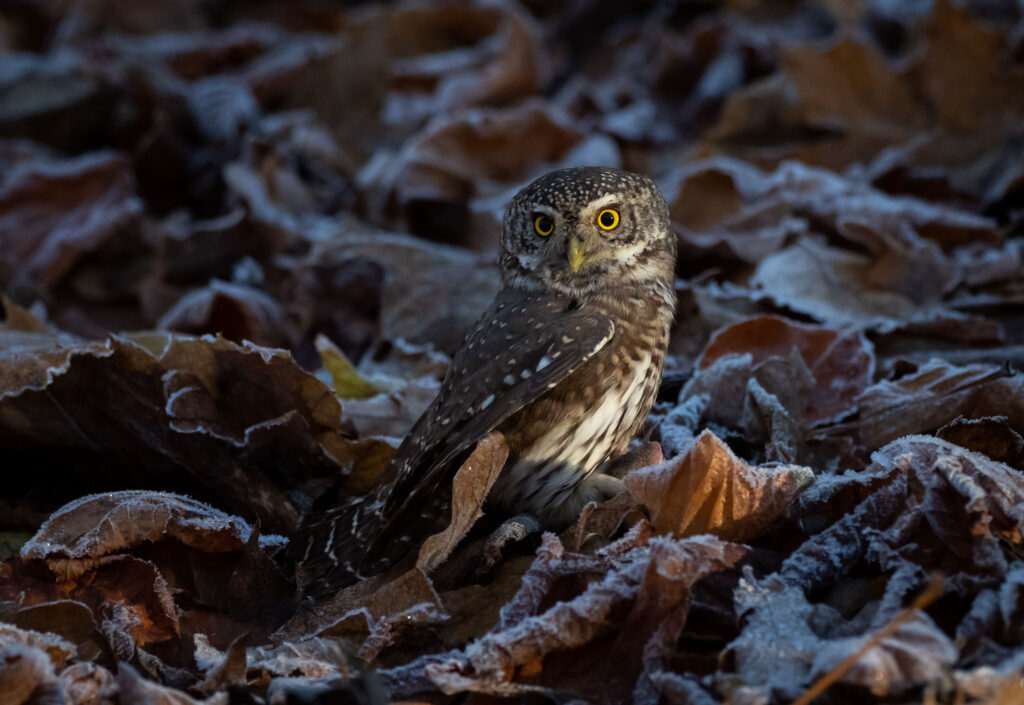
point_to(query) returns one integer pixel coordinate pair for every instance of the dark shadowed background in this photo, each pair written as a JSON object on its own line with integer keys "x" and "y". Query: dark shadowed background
{"x": 326, "y": 181}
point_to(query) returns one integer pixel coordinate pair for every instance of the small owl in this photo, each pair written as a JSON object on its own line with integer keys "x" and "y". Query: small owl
{"x": 565, "y": 362}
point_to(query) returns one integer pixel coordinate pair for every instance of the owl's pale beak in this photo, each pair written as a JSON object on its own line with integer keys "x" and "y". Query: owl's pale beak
{"x": 575, "y": 253}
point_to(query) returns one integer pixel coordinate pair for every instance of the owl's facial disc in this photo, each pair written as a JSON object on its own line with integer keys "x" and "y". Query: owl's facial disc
{"x": 587, "y": 230}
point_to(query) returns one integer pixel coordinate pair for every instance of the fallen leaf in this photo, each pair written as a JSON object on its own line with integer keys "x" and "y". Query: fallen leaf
{"x": 230, "y": 671}
{"x": 85, "y": 681}
{"x": 207, "y": 406}
{"x": 934, "y": 395}
{"x": 312, "y": 657}
{"x": 470, "y": 486}
{"x": 992, "y": 436}
{"x": 54, "y": 99}
{"x": 923, "y": 503}
{"x": 832, "y": 285}
{"x": 709, "y": 490}
{"x": 70, "y": 619}
{"x": 55, "y": 649}
{"x": 133, "y": 689}
{"x": 236, "y": 312}
{"x": 457, "y": 56}
{"x": 344, "y": 377}
{"x": 841, "y": 363}
{"x": 805, "y": 643}
{"x": 486, "y": 664}
{"x": 100, "y": 525}
{"x": 432, "y": 293}
{"x": 24, "y": 672}
{"x": 55, "y": 213}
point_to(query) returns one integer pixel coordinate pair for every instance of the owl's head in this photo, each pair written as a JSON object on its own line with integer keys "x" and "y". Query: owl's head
{"x": 586, "y": 230}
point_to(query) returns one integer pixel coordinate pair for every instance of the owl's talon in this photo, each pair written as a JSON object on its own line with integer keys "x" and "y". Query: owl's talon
{"x": 639, "y": 455}
{"x": 605, "y": 486}
{"x": 511, "y": 530}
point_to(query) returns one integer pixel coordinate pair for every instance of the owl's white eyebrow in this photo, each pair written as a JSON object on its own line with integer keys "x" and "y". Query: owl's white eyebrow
{"x": 605, "y": 200}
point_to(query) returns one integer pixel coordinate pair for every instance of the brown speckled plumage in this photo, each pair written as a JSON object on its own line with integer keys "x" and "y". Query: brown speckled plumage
{"x": 565, "y": 363}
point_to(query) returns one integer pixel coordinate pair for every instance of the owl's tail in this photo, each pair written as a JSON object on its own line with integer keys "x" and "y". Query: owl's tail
{"x": 328, "y": 549}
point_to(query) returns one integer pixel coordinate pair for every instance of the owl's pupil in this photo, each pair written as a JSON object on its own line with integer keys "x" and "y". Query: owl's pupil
{"x": 544, "y": 224}
{"x": 607, "y": 219}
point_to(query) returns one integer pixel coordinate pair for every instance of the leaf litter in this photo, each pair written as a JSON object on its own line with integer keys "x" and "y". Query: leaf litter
{"x": 240, "y": 244}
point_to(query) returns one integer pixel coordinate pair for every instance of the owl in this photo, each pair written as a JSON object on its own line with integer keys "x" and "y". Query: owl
{"x": 565, "y": 362}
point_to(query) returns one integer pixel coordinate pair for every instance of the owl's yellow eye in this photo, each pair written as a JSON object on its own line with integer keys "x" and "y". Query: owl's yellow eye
{"x": 543, "y": 225}
{"x": 608, "y": 219}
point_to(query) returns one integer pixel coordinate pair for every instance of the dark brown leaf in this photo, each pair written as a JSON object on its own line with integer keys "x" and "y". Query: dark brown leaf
{"x": 922, "y": 502}
{"x": 208, "y": 406}
{"x": 51, "y": 214}
{"x": 841, "y": 363}
{"x": 113, "y": 523}
{"x": 934, "y": 395}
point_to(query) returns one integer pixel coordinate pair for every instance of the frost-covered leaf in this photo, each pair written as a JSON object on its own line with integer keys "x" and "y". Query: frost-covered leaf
{"x": 225, "y": 413}
{"x": 922, "y": 502}
{"x": 312, "y": 657}
{"x": 614, "y": 614}
{"x": 55, "y": 648}
{"x": 432, "y": 293}
{"x": 453, "y": 56}
{"x": 24, "y": 672}
{"x": 787, "y": 643}
{"x": 990, "y": 435}
{"x": 52, "y": 215}
{"x": 238, "y": 313}
{"x": 935, "y": 394}
{"x": 112, "y": 523}
{"x": 133, "y": 689}
{"x": 85, "y": 681}
{"x": 832, "y": 285}
{"x": 710, "y": 490}
{"x": 71, "y": 619}
{"x": 841, "y": 363}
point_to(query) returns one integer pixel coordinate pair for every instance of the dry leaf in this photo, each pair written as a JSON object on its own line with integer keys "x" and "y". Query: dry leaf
{"x": 709, "y": 490}
{"x": 86, "y": 201}
{"x": 922, "y": 502}
{"x": 470, "y": 486}
{"x": 99, "y": 525}
{"x": 804, "y": 645}
{"x": 934, "y": 395}
{"x": 25, "y": 671}
{"x": 841, "y": 363}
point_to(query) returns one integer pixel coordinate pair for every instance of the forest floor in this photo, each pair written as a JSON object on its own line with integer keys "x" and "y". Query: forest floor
{"x": 208, "y": 208}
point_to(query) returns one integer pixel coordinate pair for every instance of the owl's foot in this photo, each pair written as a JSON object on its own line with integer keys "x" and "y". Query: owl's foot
{"x": 600, "y": 487}
{"x": 596, "y": 487}
{"x": 512, "y": 530}
{"x": 640, "y": 454}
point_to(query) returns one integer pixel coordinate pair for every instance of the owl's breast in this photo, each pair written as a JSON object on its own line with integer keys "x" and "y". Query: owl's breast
{"x": 561, "y": 439}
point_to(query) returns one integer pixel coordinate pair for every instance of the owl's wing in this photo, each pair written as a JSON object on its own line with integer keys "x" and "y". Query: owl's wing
{"x": 521, "y": 347}
{"x": 518, "y": 351}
